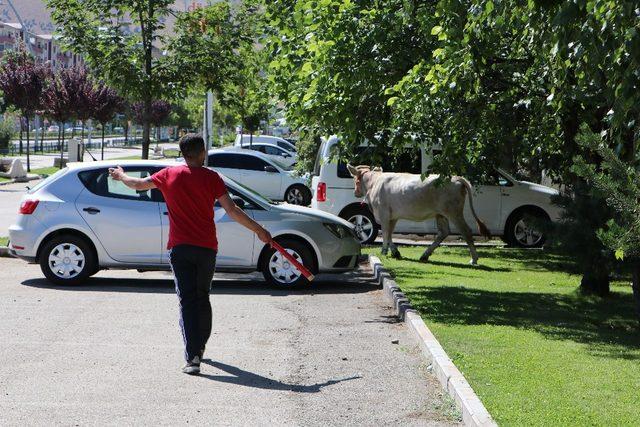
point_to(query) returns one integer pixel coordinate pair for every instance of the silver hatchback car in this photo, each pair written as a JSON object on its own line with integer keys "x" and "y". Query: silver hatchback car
{"x": 79, "y": 221}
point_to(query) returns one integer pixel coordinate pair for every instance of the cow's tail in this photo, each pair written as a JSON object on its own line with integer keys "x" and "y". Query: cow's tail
{"x": 481, "y": 226}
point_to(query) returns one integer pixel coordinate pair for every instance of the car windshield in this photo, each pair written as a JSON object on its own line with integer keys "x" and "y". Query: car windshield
{"x": 259, "y": 197}
{"x": 47, "y": 180}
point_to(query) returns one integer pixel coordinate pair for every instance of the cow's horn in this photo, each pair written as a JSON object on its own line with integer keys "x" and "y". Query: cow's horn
{"x": 352, "y": 170}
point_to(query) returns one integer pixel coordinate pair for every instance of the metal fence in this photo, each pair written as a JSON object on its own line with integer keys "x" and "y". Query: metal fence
{"x": 41, "y": 147}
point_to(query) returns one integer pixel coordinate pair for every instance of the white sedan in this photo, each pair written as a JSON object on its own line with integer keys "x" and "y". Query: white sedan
{"x": 261, "y": 173}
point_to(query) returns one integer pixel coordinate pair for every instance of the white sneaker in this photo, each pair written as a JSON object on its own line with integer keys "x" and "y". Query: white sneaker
{"x": 193, "y": 367}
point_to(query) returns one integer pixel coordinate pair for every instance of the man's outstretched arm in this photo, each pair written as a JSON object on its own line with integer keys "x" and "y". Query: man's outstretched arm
{"x": 118, "y": 174}
{"x": 240, "y": 217}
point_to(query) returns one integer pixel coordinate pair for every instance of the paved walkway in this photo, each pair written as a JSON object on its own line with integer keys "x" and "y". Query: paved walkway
{"x": 109, "y": 353}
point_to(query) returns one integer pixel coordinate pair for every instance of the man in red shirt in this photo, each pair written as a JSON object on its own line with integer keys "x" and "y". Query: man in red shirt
{"x": 190, "y": 191}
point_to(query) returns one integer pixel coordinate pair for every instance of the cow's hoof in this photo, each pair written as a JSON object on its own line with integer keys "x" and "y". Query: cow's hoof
{"x": 396, "y": 255}
{"x": 473, "y": 262}
{"x": 384, "y": 252}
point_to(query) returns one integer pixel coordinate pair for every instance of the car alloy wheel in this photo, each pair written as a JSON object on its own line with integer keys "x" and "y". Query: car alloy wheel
{"x": 526, "y": 236}
{"x": 282, "y": 270}
{"x": 363, "y": 227}
{"x": 66, "y": 261}
{"x": 295, "y": 196}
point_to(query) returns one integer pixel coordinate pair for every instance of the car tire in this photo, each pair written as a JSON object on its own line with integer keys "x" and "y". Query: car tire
{"x": 67, "y": 260}
{"x": 298, "y": 195}
{"x": 278, "y": 272}
{"x": 366, "y": 227}
{"x": 519, "y": 234}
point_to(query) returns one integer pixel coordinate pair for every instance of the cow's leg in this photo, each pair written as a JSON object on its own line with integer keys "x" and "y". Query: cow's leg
{"x": 443, "y": 231}
{"x": 394, "y": 250}
{"x": 384, "y": 226}
{"x": 464, "y": 229}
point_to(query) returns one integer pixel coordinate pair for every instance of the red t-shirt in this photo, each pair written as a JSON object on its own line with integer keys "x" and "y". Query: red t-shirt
{"x": 190, "y": 194}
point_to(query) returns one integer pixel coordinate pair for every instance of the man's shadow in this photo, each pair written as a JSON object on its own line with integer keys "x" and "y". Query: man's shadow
{"x": 249, "y": 379}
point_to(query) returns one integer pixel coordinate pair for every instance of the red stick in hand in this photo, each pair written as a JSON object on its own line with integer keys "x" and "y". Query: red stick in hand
{"x": 305, "y": 272}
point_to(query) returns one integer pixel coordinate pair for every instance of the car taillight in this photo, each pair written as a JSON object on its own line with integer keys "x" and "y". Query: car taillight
{"x": 28, "y": 206}
{"x": 321, "y": 192}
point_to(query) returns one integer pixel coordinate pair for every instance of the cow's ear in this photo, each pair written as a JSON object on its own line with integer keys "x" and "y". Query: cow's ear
{"x": 377, "y": 169}
{"x": 352, "y": 170}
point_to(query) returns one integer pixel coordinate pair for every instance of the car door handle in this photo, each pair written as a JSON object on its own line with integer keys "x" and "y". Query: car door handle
{"x": 165, "y": 213}
{"x": 506, "y": 194}
{"x": 92, "y": 211}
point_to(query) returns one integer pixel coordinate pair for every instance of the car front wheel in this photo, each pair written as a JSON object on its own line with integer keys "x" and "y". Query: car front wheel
{"x": 67, "y": 260}
{"x": 521, "y": 229}
{"x": 279, "y": 272}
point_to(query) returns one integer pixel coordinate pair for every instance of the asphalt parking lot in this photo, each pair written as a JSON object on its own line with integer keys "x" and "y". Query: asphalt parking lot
{"x": 109, "y": 352}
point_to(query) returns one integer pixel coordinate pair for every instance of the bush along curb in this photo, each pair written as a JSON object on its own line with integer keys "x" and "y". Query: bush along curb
{"x": 473, "y": 411}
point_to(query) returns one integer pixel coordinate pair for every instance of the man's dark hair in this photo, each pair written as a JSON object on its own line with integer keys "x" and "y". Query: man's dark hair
{"x": 191, "y": 145}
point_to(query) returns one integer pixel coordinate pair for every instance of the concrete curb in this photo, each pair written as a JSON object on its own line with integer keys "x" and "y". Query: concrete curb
{"x": 4, "y": 252}
{"x": 473, "y": 411}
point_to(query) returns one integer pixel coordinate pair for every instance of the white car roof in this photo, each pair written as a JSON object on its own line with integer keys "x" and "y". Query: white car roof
{"x": 245, "y": 151}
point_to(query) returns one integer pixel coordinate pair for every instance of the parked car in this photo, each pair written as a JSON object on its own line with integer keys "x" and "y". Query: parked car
{"x": 53, "y": 128}
{"x": 506, "y": 205}
{"x": 79, "y": 221}
{"x": 243, "y": 140}
{"x": 285, "y": 157}
{"x": 118, "y": 129}
{"x": 261, "y": 173}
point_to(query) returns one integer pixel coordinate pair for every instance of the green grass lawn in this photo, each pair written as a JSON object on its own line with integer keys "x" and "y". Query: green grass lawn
{"x": 45, "y": 171}
{"x": 535, "y": 351}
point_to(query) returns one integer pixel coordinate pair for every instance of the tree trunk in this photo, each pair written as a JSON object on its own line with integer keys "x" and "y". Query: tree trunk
{"x": 62, "y": 147}
{"x": 21, "y": 132}
{"x": 635, "y": 286}
{"x": 595, "y": 282}
{"x": 28, "y": 159}
{"x": 42, "y": 138}
{"x": 146, "y": 129}
{"x": 102, "y": 147}
{"x": 126, "y": 132}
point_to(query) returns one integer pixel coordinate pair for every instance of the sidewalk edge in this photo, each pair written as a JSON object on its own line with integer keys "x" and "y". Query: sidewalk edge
{"x": 474, "y": 412}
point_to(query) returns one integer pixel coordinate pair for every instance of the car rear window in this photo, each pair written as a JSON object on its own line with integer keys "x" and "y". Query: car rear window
{"x": 407, "y": 160}
{"x": 48, "y": 180}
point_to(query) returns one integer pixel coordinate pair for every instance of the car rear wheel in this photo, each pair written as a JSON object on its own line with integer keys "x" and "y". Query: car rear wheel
{"x": 298, "y": 195}
{"x": 521, "y": 231}
{"x": 364, "y": 223}
{"x": 67, "y": 260}
{"x": 281, "y": 273}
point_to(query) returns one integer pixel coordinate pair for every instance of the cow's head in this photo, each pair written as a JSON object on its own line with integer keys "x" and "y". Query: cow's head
{"x": 358, "y": 172}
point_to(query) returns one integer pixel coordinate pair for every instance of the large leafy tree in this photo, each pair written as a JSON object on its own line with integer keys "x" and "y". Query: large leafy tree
{"x": 491, "y": 83}
{"x": 333, "y": 62}
{"x": 127, "y": 60}
{"x": 218, "y": 46}
{"x": 22, "y": 82}
{"x": 104, "y": 106}
{"x": 58, "y": 102}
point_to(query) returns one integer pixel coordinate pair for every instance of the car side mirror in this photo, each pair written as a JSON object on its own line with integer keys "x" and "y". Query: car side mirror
{"x": 270, "y": 169}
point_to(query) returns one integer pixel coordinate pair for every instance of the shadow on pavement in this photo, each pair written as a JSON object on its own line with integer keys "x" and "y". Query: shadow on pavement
{"x": 245, "y": 378}
{"x": 348, "y": 283}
